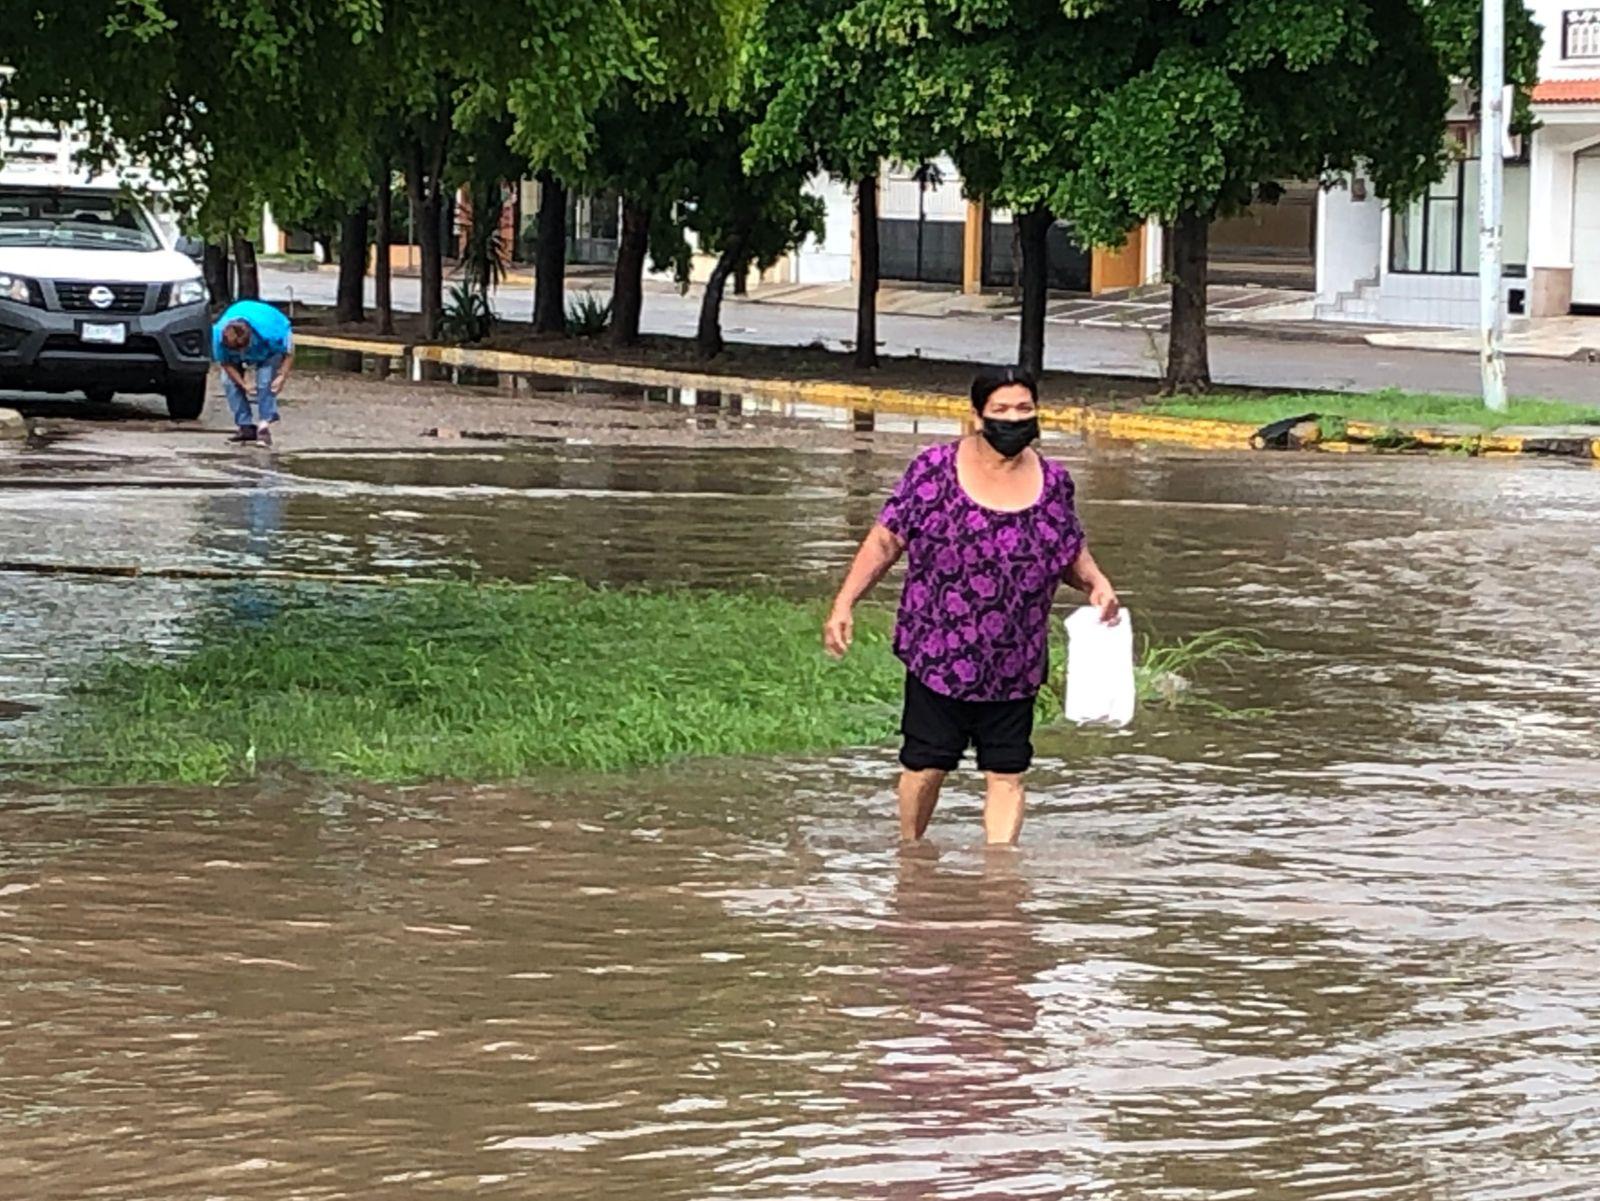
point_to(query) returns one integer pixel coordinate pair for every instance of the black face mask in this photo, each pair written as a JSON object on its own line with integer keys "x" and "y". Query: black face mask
{"x": 1010, "y": 438}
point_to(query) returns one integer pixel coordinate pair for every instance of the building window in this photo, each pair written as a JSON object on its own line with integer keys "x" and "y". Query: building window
{"x": 1580, "y": 33}
{"x": 1438, "y": 234}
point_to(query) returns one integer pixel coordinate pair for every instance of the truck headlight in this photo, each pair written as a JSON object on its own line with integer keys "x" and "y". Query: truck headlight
{"x": 187, "y": 292}
{"x": 17, "y": 288}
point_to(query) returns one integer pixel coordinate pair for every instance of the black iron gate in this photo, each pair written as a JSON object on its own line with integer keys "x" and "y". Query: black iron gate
{"x": 919, "y": 250}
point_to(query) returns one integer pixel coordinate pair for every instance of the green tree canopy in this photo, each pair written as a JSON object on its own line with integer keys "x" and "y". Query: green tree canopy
{"x": 1007, "y": 89}
{"x": 1226, "y": 99}
{"x": 835, "y": 101}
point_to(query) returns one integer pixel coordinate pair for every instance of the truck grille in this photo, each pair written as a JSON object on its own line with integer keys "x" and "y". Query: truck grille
{"x": 125, "y": 298}
{"x": 139, "y": 348}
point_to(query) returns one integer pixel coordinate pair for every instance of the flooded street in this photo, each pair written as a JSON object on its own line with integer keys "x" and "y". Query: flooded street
{"x": 1346, "y": 949}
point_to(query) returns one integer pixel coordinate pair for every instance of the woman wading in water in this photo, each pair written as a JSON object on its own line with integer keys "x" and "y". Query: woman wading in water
{"x": 989, "y": 532}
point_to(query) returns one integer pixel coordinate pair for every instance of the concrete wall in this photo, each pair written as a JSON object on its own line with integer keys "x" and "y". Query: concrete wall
{"x": 829, "y": 259}
{"x": 1446, "y": 300}
{"x": 1551, "y": 63}
{"x": 899, "y": 194}
{"x": 1350, "y": 222}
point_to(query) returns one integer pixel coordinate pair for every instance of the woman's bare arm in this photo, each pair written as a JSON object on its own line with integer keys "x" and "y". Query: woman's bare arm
{"x": 879, "y": 551}
{"x": 1086, "y": 576}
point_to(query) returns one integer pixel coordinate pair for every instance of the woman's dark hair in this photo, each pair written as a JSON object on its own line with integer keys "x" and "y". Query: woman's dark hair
{"x": 992, "y": 379}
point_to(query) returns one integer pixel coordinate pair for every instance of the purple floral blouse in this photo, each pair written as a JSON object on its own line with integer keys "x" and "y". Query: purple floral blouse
{"x": 974, "y": 620}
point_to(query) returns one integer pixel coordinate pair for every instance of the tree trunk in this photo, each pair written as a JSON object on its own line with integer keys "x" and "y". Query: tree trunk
{"x": 867, "y": 285}
{"x": 382, "y": 277}
{"x": 1188, "y": 357}
{"x": 423, "y": 188}
{"x": 627, "y": 282}
{"x": 741, "y": 280}
{"x": 708, "y": 337}
{"x": 1033, "y": 233}
{"x": 431, "y": 255}
{"x": 244, "y": 259}
{"x": 219, "y": 281}
{"x": 350, "y": 303}
{"x": 550, "y": 258}
{"x": 431, "y": 262}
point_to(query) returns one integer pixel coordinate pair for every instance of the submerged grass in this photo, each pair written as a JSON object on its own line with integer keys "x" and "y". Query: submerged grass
{"x": 1390, "y": 407}
{"x": 494, "y": 682}
{"x": 1166, "y": 672}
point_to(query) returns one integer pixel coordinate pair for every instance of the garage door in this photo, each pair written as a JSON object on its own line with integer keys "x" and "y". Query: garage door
{"x": 1586, "y": 232}
{"x": 1272, "y": 245}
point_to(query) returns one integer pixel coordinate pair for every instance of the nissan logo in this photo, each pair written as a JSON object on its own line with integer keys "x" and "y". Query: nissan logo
{"x": 101, "y": 296}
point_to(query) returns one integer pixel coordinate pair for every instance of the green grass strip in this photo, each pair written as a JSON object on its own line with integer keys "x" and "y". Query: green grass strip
{"x": 495, "y": 682}
{"x": 1390, "y": 407}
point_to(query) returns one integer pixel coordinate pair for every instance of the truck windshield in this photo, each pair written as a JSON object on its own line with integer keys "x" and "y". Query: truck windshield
{"x": 79, "y": 220}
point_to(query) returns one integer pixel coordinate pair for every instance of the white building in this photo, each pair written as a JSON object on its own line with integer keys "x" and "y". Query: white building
{"x": 930, "y": 234}
{"x": 1418, "y": 265}
{"x": 38, "y": 154}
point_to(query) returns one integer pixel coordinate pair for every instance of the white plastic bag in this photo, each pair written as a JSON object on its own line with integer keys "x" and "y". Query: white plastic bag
{"x": 1100, "y": 689}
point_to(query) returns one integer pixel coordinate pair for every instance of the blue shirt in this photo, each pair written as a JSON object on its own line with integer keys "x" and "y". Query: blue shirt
{"x": 270, "y": 334}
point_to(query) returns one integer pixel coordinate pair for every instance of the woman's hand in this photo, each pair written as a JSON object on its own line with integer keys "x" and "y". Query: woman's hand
{"x": 838, "y": 630}
{"x": 878, "y": 552}
{"x": 1104, "y": 597}
{"x": 1087, "y": 577}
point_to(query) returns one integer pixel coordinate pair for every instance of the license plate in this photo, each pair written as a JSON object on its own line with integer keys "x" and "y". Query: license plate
{"x": 105, "y": 335}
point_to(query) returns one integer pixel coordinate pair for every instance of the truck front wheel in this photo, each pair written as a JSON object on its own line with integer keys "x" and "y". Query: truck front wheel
{"x": 186, "y": 400}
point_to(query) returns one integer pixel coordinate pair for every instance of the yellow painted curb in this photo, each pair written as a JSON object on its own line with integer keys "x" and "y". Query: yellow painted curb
{"x": 1502, "y": 444}
{"x": 1149, "y": 427}
{"x": 1482, "y": 444}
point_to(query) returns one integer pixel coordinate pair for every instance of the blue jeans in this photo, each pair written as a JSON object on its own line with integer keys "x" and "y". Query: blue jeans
{"x": 266, "y": 402}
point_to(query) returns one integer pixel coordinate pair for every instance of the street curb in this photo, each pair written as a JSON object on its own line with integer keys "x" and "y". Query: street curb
{"x": 1137, "y": 427}
{"x": 388, "y": 350}
{"x": 1200, "y": 433}
{"x": 1566, "y": 447}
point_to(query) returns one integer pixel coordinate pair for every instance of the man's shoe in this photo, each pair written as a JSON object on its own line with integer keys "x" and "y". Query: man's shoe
{"x": 264, "y": 437}
{"x": 245, "y": 433}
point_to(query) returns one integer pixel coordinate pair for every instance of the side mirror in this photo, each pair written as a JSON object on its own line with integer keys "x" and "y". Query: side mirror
{"x": 193, "y": 247}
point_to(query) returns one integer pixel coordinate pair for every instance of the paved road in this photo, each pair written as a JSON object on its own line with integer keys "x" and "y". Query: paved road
{"x": 1235, "y": 359}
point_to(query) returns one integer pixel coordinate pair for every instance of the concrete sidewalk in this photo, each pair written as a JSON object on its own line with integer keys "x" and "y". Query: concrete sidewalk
{"x": 1572, "y": 338}
{"x": 1279, "y": 314}
{"x": 1275, "y": 314}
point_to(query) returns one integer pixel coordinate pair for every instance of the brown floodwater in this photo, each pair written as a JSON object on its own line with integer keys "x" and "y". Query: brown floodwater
{"x": 1347, "y": 949}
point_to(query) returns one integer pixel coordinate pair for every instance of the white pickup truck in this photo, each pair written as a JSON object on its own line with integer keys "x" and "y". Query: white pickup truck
{"x": 93, "y": 299}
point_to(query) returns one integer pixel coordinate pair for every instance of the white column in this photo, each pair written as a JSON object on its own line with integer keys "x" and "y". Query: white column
{"x": 269, "y": 232}
{"x": 1155, "y": 251}
{"x": 1550, "y": 201}
{"x": 1550, "y": 232}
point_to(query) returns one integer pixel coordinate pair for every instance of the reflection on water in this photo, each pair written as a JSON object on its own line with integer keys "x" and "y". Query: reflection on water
{"x": 293, "y": 991}
{"x": 1344, "y": 952}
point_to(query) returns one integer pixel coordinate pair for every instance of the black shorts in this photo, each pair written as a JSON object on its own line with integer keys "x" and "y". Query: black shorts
{"x": 938, "y": 729}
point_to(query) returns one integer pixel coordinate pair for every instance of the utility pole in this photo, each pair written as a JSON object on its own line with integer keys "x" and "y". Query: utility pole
{"x": 1491, "y": 206}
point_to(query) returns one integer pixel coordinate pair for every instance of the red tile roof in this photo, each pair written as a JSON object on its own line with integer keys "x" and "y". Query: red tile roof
{"x": 1567, "y": 91}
